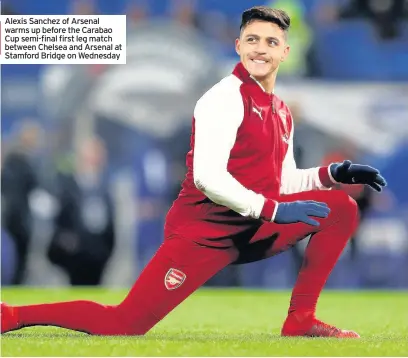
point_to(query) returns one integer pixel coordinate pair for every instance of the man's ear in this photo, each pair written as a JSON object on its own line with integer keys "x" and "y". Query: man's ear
{"x": 237, "y": 46}
{"x": 285, "y": 53}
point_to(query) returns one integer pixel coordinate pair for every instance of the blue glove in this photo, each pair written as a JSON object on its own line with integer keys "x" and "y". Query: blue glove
{"x": 349, "y": 173}
{"x": 301, "y": 211}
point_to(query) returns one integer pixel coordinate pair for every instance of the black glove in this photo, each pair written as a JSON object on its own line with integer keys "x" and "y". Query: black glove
{"x": 349, "y": 173}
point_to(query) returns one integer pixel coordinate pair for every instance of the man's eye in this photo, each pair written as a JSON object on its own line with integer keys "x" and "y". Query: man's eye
{"x": 251, "y": 39}
{"x": 273, "y": 43}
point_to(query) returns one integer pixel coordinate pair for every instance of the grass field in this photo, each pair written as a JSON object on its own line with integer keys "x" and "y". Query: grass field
{"x": 224, "y": 323}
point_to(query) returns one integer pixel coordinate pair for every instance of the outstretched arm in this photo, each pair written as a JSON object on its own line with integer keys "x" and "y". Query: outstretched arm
{"x": 296, "y": 180}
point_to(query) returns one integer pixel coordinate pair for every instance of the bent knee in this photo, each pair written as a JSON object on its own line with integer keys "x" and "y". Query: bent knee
{"x": 342, "y": 200}
{"x": 343, "y": 205}
{"x": 117, "y": 322}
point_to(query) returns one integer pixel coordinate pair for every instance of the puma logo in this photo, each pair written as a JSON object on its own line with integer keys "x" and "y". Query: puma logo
{"x": 258, "y": 112}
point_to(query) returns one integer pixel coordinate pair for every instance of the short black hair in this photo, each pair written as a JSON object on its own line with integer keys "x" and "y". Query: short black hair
{"x": 265, "y": 13}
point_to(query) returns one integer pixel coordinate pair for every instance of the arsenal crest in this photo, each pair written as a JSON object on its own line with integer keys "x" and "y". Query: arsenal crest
{"x": 174, "y": 278}
{"x": 282, "y": 116}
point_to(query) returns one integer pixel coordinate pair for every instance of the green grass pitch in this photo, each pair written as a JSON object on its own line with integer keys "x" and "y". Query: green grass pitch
{"x": 223, "y": 323}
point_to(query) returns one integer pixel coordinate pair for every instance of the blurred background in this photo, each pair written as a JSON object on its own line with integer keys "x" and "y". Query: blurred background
{"x": 93, "y": 156}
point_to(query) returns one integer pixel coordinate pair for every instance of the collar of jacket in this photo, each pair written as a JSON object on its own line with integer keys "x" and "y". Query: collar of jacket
{"x": 241, "y": 72}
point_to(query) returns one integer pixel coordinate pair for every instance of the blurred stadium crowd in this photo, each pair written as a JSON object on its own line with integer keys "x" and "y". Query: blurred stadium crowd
{"x": 92, "y": 156}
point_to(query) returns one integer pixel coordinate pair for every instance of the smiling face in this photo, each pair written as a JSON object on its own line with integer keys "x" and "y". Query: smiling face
{"x": 262, "y": 47}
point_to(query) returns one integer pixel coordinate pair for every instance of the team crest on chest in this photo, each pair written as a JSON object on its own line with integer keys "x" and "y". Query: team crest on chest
{"x": 174, "y": 279}
{"x": 282, "y": 116}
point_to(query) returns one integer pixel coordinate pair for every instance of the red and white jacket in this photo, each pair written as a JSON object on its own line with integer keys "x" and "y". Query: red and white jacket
{"x": 241, "y": 159}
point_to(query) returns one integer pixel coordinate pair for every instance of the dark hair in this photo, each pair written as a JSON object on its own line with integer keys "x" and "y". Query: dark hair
{"x": 264, "y": 13}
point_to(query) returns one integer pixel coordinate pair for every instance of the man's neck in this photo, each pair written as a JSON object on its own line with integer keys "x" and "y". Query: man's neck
{"x": 267, "y": 84}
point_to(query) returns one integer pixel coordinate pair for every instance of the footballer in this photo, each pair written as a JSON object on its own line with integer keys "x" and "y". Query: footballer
{"x": 242, "y": 200}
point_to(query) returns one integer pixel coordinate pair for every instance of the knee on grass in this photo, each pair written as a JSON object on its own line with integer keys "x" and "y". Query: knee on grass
{"x": 123, "y": 321}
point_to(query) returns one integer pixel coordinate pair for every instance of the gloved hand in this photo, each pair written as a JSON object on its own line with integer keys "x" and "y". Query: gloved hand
{"x": 349, "y": 173}
{"x": 301, "y": 211}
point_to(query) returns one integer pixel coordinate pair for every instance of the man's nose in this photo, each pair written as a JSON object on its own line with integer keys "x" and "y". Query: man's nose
{"x": 261, "y": 48}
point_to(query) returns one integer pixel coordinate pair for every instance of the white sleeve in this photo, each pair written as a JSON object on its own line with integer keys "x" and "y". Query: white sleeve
{"x": 296, "y": 180}
{"x": 218, "y": 115}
